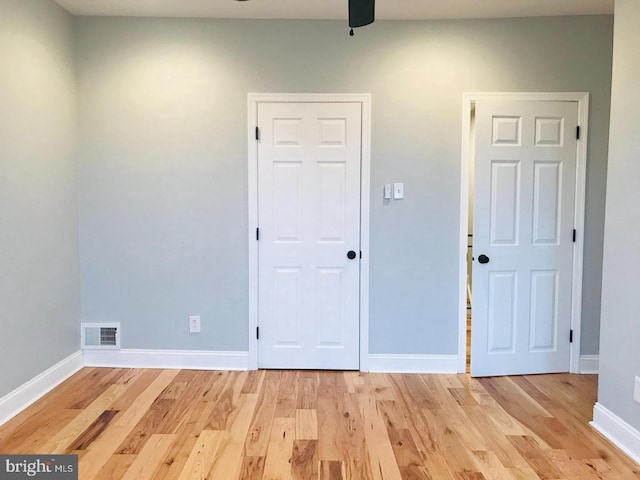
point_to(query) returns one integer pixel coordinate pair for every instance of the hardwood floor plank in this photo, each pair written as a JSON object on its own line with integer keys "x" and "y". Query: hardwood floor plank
{"x": 404, "y": 448}
{"x": 469, "y": 475}
{"x": 570, "y": 467}
{"x": 464, "y": 428}
{"x": 603, "y": 470}
{"x": 202, "y": 455}
{"x": 414, "y": 472}
{"x": 228, "y": 462}
{"x": 329, "y": 419}
{"x": 36, "y": 431}
{"x": 252, "y": 468}
{"x": 176, "y": 457}
{"x": 489, "y": 464}
{"x": 577, "y": 445}
{"x": 521, "y": 407}
{"x": 422, "y": 395}
{"x": 304, "y": 461}
{"x": 179, "y": 411}
{"x": 101, "y": 380}
{"x": 351, "y": 439}
{"x": 201, "y": 413}
{"x": 286, "y": 402}
{"x": 226, "y": 402}
{"x": 458, "y": 457}
{"x": 150, "y": 422}
{"x": 257, "y": 440}
{"x": 496, "y": 440}
{"x": 277, "y": 464}
{"x": 62, "y": 440}
{"x": 149, "y": 458}
{"x": 423, "y": 433}
{"x": 382, "y": 386}
{"x": 307, "y": 390}
{"x": 93, "y": 431}
{"x": 137, "y": 385}
{"x": 26, "y": 421}
{"x": 115, "y": 468}
{"x": 463, "y": 397}
{"x": 136, "y": 409}
{"x": 253, "y": 381}
{"x": 504, "y": 422}
{"x": 392, "y": 414}
{"x": 104, "y": 446}
{"x": 101, "y": 450}
{"x": 523, "y": 473}
{"x": 380, "y": 455}
{"x": 331, "y": 470}
{"x": 306, "y": 424}
{"x": 535, "y": 457}
{"x": 349, "y": 381}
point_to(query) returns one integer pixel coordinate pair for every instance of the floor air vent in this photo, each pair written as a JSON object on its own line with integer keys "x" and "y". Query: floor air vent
{"x": 100, "y": 336}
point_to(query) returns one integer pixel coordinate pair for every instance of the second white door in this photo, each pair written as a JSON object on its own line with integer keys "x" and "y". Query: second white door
{"x": 309, "y": 162}
{"x": 525, "y": 174}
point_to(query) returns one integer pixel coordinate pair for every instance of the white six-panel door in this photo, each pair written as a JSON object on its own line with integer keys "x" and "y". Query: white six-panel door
{"x": 525, "y": 174}
{"x": 309, "y": 219}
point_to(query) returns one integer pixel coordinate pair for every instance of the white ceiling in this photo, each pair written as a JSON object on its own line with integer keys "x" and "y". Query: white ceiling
{"x": 337, "y": 9}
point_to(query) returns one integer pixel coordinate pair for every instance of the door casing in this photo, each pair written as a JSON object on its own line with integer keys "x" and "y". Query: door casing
{"x": 365, "y": 174}
{"x": 582, "y": 99}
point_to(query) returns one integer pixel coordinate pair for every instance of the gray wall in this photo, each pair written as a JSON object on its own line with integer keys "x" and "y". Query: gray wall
{"x": 163, "y": 169}
{"x": 620, "y": 333}
{"x": 39, "y": 285}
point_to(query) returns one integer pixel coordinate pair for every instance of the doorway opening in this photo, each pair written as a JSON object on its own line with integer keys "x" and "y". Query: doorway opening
{"x": 469, "y": 302}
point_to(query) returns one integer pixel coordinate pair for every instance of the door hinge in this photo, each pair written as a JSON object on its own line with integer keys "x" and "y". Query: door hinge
{"x": 257, "y": 333}
{"x": 360, "y": 253}
{"x": 574, "y": 235}
{"x": 578, "y": 132}
{"x": 257, "y": 133}
{"x": 570, "y": 336}
{"x": 257, "y": 234}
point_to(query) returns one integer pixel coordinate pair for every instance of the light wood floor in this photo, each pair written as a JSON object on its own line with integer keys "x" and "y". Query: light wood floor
{"x": 178, "y": 424}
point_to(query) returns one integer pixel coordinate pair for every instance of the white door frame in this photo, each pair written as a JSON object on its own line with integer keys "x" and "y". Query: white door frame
{"x": 365, "y": 174}
{"x": 582, "y": 99}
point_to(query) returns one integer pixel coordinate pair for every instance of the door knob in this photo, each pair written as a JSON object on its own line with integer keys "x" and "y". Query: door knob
{"x": 483, "y": 259}
{"x": 351, "y": 254}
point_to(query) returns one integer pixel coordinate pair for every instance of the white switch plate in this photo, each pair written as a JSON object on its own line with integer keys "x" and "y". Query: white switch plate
{"x": 636, "y": 390}
{"x": 387, "y": 191}
{"x": 398, "y": 191}
{"x": 194, "y": 323}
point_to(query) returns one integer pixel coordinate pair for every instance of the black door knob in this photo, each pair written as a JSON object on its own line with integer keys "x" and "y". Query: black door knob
{"x": 483, "y": 259}
{"x": 351, "y": 254}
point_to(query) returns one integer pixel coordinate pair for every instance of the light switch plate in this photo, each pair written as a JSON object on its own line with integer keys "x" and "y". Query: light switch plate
{"x": 398, "y": 191}
{"x": 387, "y": 191}
{"x": 636, "y": 390}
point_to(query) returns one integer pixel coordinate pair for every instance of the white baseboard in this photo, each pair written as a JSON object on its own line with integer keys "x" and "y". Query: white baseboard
{"x": 619, "y": 432}
{"x": 26, "y": 394}
{"x": 182, "y": 359}
{"x": 389, "y": 363}
{"x": 589, "y": 364}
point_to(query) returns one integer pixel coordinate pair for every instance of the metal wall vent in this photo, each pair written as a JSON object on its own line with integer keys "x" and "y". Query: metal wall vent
{"x": 100, "y": 336}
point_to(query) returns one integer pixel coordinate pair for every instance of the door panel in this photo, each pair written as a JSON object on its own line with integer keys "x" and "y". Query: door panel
{"x": 505, "y": 202}
{"x": 502, "y": 309}
{"x": 309, "y": 218}
{"x": 544, "y": 311}
{"x": 547, "y": 203}
{"x": 525, "y": 164}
